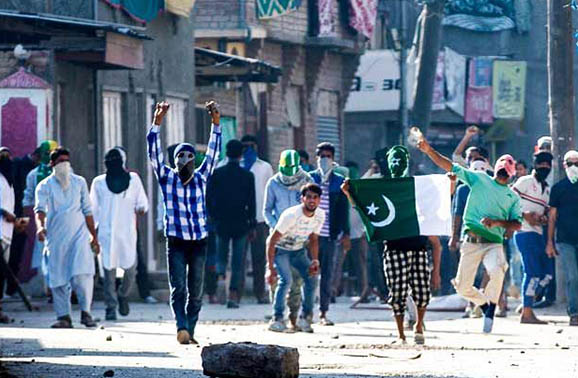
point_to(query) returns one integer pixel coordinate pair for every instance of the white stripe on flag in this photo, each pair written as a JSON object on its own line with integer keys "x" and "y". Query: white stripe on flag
{"x": 433, "y": 205}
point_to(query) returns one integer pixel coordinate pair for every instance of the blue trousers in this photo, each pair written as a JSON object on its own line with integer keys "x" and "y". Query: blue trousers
{"x": 299, "y": 260}
{"x": 569, "y": 255}
{"x": 186, "y": 262}
{"x": 327, "y": 251}
{"x": 237, "y": 260}
{"x": 537, "y": 267}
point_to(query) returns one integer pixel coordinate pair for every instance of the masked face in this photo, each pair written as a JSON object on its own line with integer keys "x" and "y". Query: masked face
{"x": 184, "y": 159}
{"x": 325, "y": 163}
{"x": 62, "y": 173}
{"x": 289, "y": 163}
{"x": 572, "y": 171}
{"x": 398, "y": 163}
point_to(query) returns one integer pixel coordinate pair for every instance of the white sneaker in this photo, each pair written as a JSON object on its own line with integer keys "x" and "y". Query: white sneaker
{"x": 304, "y": 325}
{"x": 277, "y": 326}
{"x": 151, "y": 300}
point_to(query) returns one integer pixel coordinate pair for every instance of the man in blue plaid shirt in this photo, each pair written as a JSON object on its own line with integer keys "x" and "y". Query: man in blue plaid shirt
{"x": 184, "y": 196}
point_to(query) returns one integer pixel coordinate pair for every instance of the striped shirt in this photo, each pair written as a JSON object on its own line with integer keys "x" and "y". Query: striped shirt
{"x": 185, "y": 206}
{"x": 534, "y": 199}
{"x": 324, "y": 205}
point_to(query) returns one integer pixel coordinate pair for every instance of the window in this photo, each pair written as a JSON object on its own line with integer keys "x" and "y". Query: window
{"x": 112, "y": 119}
{"x": 175, "y": 121}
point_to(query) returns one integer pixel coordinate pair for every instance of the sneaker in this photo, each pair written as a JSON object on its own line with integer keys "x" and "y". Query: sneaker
{"x": 277, "y": 326}
{"x": 123, "y": 308}
{"x": 502, "y": 313}
{"x": 488, "y": 324}
{"x": 325, "y": 322}
{"x": 183, "y": 337}
{"x": 304, "y": 325}
{"x": 574, "y": 321}
{"x": 110, "y": 314}
{"x": 151, "y": 300}
{"x": 63, "y": 322}
{"x": 86, "y": 320}
{"x": 232, "y": 304}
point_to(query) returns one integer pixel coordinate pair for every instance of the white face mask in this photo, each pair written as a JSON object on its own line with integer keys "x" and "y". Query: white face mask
{"x": 572, "y": 173}
{"x": 62, "y": 173}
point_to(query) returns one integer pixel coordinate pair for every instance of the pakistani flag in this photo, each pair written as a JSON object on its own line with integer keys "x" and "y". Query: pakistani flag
{"x": 403, "y": 207}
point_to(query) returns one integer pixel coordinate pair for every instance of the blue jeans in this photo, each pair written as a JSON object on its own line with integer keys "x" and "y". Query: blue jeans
{"x": 299, "y": 260}
{"x": 569, "y": 256}
{"x": 327, "y": 250}
{"x": 516, "y": 270}
{"x": 449, "y": 267}
{"x": 237, "y": 260}
{"x": 536, "y": 264}
{"x": 186, "y": 263}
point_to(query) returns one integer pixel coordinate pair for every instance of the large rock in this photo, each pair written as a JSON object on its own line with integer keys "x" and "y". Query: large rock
{"x": 249, "y": 360}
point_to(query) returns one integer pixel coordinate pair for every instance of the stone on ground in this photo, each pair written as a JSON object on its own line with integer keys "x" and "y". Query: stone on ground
{"x": 247, "y": 360}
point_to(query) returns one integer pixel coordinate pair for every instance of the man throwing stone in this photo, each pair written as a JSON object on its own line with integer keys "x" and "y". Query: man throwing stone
{"x": 492, "y": 210}
{"x": 297, "y": 226}
{"x": 184, "y": 193}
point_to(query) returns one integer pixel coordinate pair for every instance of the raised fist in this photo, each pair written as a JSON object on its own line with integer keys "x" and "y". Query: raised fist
{"x": 161, "y": 110}
{"x": 213, "y": 109}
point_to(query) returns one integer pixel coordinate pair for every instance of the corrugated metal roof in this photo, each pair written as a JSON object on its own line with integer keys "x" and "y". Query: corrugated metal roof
{"x": 74, "y": 23}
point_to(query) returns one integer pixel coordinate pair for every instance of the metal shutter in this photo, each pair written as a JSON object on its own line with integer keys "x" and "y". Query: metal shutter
{"x": 328, "y": 131}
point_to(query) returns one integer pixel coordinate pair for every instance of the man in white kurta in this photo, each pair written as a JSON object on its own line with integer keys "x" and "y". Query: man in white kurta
{"x": 65, "y": 223}
{"x": 117, "y": 197}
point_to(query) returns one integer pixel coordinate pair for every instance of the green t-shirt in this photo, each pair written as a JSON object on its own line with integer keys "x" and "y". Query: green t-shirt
{"x": 488, "y": 199}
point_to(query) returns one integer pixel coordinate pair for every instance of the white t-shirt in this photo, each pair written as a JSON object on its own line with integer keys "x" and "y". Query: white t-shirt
{"x": 533, "y": 199}
{"x": 296, "y": 227}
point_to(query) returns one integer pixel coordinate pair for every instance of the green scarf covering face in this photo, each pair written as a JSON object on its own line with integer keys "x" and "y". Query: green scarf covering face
{"x": 44, "y": 169}
{"x": 289, "y": 163}
{"x": 398, "y": 161}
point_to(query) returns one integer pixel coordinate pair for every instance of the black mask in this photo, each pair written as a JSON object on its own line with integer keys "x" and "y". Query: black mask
{"x": 7, "y": 170}
{"x": 542, "y": 173}
{"x": 187, "y": 171}
{"x": 117, "y": 178}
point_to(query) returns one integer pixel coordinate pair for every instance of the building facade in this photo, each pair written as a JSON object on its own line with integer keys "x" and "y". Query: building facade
{"x": 105, "y": 69}
{"x": 521, "y": 37}
{"x": 318, "y": 64}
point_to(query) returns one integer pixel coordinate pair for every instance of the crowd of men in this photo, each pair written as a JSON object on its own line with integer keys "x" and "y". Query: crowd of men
{"x": 301, "y": 226}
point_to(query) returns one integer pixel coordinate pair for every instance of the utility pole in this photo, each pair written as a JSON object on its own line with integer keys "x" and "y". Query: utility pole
{"x": 403, "y": 111}
{"x": 429, "y": 47}
{"x": 560, "y": 95}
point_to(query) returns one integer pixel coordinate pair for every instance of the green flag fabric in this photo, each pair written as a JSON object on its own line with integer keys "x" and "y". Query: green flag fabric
{"x": 397, "y": 208}
{"x": 275, "y": 8}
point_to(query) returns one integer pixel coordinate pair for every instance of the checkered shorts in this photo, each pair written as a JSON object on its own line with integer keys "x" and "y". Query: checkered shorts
{"x": 405, "y": 270}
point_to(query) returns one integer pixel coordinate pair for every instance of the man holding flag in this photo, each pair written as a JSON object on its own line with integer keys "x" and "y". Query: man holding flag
{"x": 403, "y": 211}
{"x": 492, "y": 210}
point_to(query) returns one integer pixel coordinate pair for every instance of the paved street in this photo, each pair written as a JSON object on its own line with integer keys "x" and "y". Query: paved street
{"x": 144, "y": 345}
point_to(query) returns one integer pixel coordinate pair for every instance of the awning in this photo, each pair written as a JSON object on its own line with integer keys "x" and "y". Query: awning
{"x": 212, "y": 66}
{"x": 101, "y": 44}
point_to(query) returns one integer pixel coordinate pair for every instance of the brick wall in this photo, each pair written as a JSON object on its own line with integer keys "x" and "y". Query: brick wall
{"x": 217, "y": 14}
